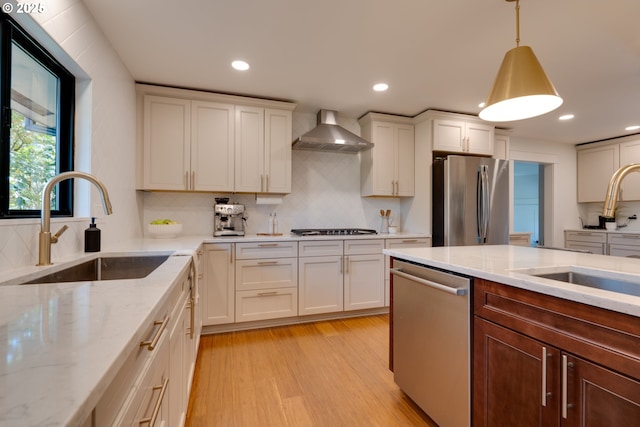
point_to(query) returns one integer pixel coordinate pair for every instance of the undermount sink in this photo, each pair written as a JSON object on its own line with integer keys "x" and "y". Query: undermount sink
{"x": 105, "y": 268}
{"x": 583, "y": 278}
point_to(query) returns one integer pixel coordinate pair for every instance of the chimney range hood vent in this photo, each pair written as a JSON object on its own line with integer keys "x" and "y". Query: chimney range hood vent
{"x": 329, "y": 136}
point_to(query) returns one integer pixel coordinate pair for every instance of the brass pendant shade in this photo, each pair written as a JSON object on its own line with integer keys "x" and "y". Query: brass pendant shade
{"x": 521, "y": 89}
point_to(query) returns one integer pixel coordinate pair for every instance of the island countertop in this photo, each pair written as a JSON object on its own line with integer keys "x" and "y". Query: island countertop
{"x": 513, "y": 265}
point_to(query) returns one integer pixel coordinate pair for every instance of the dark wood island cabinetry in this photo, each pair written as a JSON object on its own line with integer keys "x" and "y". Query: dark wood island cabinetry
{"x": 540, "y": 360}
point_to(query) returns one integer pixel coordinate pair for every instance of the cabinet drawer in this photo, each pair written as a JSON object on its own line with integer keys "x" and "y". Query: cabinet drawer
{"x": 152, "y": 391}
{"x": 586, "y": 236}
{"x": 423, "y": 242}
{"x": 320, "y": 248}
{"x": 266, "y": 273}
{"x": 624, "y": 239}
{"x": 357, "y": 247}
{"x": 258, "y": 250}
{"x": 268, "y": 304}
{"x": 114, "y": 397}
{"x": 624, "y": 250}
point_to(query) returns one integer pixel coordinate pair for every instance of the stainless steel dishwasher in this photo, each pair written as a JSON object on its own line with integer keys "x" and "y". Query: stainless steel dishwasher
{"x": 431, "y": 341}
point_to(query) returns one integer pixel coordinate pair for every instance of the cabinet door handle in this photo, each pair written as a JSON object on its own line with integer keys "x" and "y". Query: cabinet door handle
{"x": 264, "y": 294}
{"x": 154, "y": 341}
{"x": 156, "y": 408}
{"x": 267, "y": 187}
{"x": 261, "y": 182}
{"x": 566, "y": 365}
{"x": 346, "y": 265}
{"x": 186, "y": 180}
{"x": 267, "y": 245}
{"x": 193, "y": 180}
{"x": 267, "y": 262}
{"x": 410, "y": 241}
{"x": 545, "y": 354}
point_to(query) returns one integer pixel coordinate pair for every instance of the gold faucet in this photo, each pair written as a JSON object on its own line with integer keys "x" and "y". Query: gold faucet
{"x": 614, "y": 188}
{"x": 45, "y": 237}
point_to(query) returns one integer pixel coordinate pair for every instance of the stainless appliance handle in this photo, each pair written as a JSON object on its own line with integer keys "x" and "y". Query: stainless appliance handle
{"x": 482, "y": 203}
{"x": 434, "y": 285}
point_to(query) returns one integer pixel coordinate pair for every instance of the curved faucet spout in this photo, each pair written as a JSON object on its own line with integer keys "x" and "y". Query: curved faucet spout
{"x": 613, "y": 190}
{"x": 44, "y": 250}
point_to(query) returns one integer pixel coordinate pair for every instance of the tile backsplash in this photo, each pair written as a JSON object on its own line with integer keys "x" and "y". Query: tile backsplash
{"x": 325, "y": 194}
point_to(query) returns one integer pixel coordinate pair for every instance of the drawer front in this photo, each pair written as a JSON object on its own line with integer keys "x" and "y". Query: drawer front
{"x": 407, "y": 243}
{"x": 268, "y": 304}
{"x": 594, "y": 248}
{"x": 624, "y": 239}
{"x": 266, "y": 273}
{"x": 320, "y": 248}
{"x": 114, "y": 397}
{"x": 586, "y": 236}
{"x": 624, "y": 250}
{"x": 357, "y": 247}
{"x": 257, "y": 250}
{"x": 149, "y": 393}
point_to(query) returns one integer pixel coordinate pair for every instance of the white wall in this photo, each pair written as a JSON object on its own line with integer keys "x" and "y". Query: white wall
{"x": 563, "y": 212}
{"x": 105, "y": 133}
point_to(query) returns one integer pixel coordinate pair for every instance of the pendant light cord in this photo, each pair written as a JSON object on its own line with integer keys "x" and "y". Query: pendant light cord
{"x": 517, "y": 23}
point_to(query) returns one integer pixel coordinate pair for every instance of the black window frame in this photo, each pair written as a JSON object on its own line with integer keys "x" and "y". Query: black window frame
{"x": 11, "y": 32}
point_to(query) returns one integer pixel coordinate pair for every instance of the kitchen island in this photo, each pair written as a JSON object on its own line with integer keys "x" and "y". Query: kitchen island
{"x": 514, "y": 266}
{"x": 541, "y": 349}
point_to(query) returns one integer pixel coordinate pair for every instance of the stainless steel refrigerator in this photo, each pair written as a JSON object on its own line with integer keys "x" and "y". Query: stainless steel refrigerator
{"x": 470, "y": 201}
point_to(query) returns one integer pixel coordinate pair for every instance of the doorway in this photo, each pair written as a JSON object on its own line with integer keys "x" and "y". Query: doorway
{"x": 528, "y": 200}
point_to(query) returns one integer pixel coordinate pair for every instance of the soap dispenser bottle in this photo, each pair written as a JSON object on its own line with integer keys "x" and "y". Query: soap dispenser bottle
{"x": 92, "y": 237}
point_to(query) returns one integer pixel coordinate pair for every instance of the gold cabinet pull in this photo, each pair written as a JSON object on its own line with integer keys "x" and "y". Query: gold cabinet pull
{"x": 267, "y": 245}
{"x": 267, "y": 262}
{"x": 154, "y": 341}
{"x": 156, "y": 408}
{"x": 264, "y": 294}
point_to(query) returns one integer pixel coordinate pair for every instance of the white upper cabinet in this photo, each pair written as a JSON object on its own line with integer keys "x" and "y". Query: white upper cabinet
{"x": 598, "y": 162}
{"x": 462, "y": 136}
{"x": 167, "y": 143}
{"x": 388, "y": 168}
{"x": 630, "y": 153}
{"x": 263, "y": 150}
{"x": 191, "y": 142}
{"x": 596, "y": 165}
{"x": 212, "y": 143}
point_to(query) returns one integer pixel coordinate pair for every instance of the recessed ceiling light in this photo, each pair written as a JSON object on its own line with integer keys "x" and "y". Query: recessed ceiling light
{"x": 240, "y": 65}
{"x": 635, "y": 127}
{"x": 380, "y": 87}
{"x": 566, "y": 117}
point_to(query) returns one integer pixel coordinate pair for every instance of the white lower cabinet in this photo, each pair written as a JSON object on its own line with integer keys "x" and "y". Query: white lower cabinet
{"x": 320, "y": 277}
{"x": 340, "y": 275}
{"x": 218, "y": 288}
{"x": 623, "y": 244}
{"x": 266, "y": 280}
{"x": 152, "y": 386}
{"x": 591, "y": 241}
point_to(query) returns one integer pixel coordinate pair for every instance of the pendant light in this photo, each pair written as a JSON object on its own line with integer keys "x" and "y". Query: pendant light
{"x": 522, "y": 89}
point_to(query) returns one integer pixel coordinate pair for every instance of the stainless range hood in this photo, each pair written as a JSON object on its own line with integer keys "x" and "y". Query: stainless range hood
{"x": 329, "y": 136}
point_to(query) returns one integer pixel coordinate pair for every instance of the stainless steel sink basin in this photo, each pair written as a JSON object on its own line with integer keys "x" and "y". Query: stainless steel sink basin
{"x": 593, "y": 281}
{"x": 105, "y": 268}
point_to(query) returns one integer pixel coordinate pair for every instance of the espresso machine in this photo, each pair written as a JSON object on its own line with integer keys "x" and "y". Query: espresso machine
{"x": 228, "y": 218}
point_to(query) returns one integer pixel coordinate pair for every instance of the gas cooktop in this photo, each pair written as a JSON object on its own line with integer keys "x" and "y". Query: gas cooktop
{"x": 332, "y": 231}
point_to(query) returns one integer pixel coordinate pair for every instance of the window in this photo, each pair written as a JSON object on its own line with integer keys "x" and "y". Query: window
{"x": 36, "y": 133}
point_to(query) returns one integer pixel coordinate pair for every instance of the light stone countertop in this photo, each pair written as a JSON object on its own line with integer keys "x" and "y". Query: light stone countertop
{"x": 512, "y": 265}
{"x": 64, "y": 343}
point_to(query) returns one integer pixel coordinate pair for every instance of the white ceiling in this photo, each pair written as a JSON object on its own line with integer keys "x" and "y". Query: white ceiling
{"x": 440, "y": 54}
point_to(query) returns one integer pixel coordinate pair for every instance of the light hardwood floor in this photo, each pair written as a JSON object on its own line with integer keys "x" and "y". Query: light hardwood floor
{"x": 331, "y": 373}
